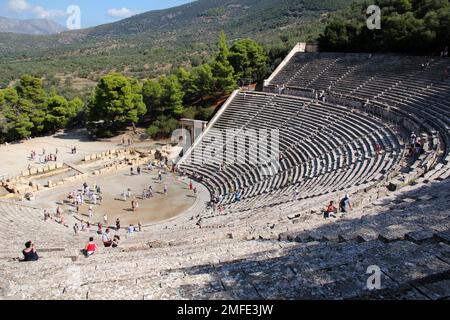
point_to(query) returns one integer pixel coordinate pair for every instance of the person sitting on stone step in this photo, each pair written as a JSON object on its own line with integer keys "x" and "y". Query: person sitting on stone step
{"x": 115, "y": 241}
{"x": 107, "y": 242}
{"x": 30, "y": 253}
{"x": 89, "y": 248}
{"x": 330, "y": 210}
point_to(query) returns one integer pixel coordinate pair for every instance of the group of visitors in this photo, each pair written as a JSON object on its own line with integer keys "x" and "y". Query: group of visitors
{"x": 131, "y": 228}
{"x": 43, "y": 157}
{"x": 344, "y": 207}
{"x": 416, "y": 145}
{"x": 138, "y": 171}
{"x": 214, "y": 204}
{"x": 128, "y": 141}
{"x": 147, "y": 193}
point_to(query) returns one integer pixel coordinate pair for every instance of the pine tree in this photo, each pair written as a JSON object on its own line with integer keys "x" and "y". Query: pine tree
{"x": 222, "y": 70}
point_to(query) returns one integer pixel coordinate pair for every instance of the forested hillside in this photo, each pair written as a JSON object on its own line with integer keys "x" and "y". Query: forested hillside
{"x": 155, "y": 42}
{"x": 407, "y": 26}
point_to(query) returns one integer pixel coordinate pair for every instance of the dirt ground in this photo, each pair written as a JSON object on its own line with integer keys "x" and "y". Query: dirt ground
{"x": 158, "y": 208}
{"x": 15, "y": 157}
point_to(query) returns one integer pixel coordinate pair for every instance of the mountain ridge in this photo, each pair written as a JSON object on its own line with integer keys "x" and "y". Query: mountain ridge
{"x": 151, "y": 43}
{"x": 30, "y": 26}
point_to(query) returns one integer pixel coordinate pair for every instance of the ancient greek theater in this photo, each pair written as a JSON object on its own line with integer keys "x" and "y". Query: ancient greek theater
{"x": 245, "y": 212}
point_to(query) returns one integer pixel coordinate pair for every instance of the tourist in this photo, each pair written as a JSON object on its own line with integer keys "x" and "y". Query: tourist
{"x": 136, "y": 205}
{"x": 30, "y": 253}
{"x": 345, "y": 205}
{"x": 138, "y": 169}
{"x": 190, "y": 185}
{"x": 133, "y": 205}
{"x": 90, "y": 212}
{"x": 296, "y": 194}
{"x": 165, "y": 189}
{"x": 115, "y": 241}
{"x": 75, "y": 228}
{"x": 129, "y": 193}
{"x": 106, "y": 238}
{"x": 131, "y": 171}
{"x": 159, "y": 175}
{"x": 89, "y": 248}
{"x": 130, "y": 228}
{"x": 117, "y": 224}
{"x": 88, "y": 226}
{"x": 105, "y": 219}
{"x": 99, "y": 228}
{"x": 46, "y": 215}
{"x": 237, "y": 195}
{"x": 330, "y": 210}
{"x": 378, "y": 148}
{"x": 82, "y": 226}
{"x": 150, "y": 191}
{"x": 139, "y": 226}
{"x": 413, "y": 138}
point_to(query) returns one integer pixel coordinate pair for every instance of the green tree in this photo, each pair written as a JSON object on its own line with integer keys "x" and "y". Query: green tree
{"x": 202, "y": 81}
{"x": 249, "y": 60}
{"x": 59, "y": 113}
{"x": 116, "y": 100}
{"x": 152, "y": 92}
{"x": 222, "y": 70}
{"x": 30, "y": 88}
{"x": 17, "y": 123}
{"x": 163, "y": 126}
{"x": 413, "y": 26}
{"x": 32, "y": 101}
{"x": 172, "y": 96}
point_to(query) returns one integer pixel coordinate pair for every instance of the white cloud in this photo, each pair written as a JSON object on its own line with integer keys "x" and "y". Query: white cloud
{"x": 18, "y": 5}
{"x": 121, "y": 13}
{"x": 43, "y": 13}
{"x": 38, "y": 11}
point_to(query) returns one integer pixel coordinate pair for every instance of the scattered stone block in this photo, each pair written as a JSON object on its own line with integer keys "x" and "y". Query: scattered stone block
{"x": 419, "y": 236}
{"x": 436, "y": 290}
{"x": 443, "y": 236}
{"x": 387, "y": 235}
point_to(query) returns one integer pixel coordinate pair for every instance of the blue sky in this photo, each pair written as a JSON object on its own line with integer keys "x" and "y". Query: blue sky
{"x": 93, "y": 12}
